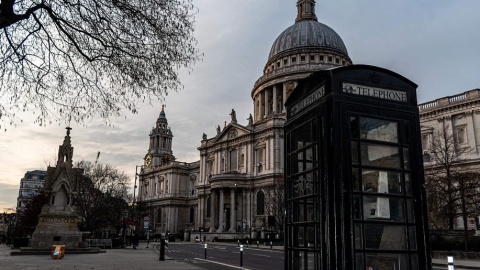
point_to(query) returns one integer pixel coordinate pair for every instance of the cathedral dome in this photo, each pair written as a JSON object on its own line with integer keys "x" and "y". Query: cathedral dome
{"x": 307, "y": 34}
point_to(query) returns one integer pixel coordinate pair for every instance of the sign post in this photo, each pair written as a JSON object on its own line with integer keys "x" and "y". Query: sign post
{"x": 146, "y": 225}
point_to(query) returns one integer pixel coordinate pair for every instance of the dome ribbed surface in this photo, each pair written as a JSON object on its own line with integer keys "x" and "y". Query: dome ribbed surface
{"x": 307, "y": 34}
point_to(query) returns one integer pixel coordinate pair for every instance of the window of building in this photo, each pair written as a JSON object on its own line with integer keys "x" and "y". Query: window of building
{"x": 222, "y": 164}
{"x": 461, "y": 134}
{"x": 233, "y": 160}
{"x": 285, "y": 62}
{"x": 426, "y": 142}
{"x": 242, "y": 160}
{"x": 312, "y": 57}
{"x": 337, "y": 60}
{"x": 260, "y": 158}
{"x": 302, "y": 58}
{"x": 260, "y": 203}
{"x": 330, "y": 59}
{"x": 209, "y": 171}
{"x": 322, "y": 58}
{"x": 294, "y": 59}
{"x": 278, "y": 64}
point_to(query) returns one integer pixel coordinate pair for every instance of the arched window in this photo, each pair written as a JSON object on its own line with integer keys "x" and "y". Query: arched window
{"x": 209, "y": 207}
{"x": 260, "y": 203}
{"x": 192, "y": 215}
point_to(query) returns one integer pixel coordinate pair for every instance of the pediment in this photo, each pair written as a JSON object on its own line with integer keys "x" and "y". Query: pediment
{"x": 231, "y": 132}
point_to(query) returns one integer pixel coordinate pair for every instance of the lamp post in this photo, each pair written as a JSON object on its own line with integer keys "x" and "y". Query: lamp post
{"x": 133, "y": 203}
{"x": 235, "y": 217}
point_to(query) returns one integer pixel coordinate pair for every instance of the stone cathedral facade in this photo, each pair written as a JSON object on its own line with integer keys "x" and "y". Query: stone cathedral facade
{"x": 236, "y": 188}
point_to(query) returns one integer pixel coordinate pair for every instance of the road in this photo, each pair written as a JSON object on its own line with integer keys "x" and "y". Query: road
{"x": 223, "y": 257}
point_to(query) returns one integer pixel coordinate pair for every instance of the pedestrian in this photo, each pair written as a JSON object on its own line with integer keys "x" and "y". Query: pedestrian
{"x": 135, "y": 241}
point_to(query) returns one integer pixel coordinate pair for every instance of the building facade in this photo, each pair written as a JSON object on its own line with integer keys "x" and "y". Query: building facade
{"x": 167, "y": 186}
{"x": 238, "y": 181}
{"x": 30, "y": 186}
{"x": 451, "y": 125}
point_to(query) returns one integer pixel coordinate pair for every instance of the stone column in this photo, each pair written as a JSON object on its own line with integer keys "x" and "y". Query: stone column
{"x": 233, "y": 213}
{"x": 213, "y": 216}
{"x": 284, "y": 95}
{"x": 275, "y": 99}
{"x": 265, "y": 91}
{"x": 221, "y": 221}
{"x": 262, "y": 104}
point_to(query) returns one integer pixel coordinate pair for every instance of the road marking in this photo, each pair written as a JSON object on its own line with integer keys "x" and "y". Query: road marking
{"x": 224, "y": 264}
{"x": 261, "y": 255}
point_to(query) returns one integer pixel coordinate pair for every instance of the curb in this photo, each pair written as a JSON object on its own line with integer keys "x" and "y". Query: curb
{"x": 456, "y": 266}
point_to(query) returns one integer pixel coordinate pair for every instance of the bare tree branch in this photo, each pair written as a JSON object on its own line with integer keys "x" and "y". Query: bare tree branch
{"x": 70, "y": 60}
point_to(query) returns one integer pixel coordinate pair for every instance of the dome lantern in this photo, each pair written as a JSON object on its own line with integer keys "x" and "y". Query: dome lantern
{"x": 306, "y": 10}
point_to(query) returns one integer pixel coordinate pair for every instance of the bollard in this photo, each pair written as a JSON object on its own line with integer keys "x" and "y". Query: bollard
{"x": 238, "y": 242}
{"x": 257, "y": 245}
{"x": 451, "y": 265}
{"x": 162, "y": 249}
{"x": 205, "y": 251}
{"x": 247, "y": 243}
{"x": 241, "y": 255}
{"x": 271, "y": 245}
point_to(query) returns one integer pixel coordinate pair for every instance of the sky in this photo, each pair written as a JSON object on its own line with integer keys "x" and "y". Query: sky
{"x": 434, "y": 43}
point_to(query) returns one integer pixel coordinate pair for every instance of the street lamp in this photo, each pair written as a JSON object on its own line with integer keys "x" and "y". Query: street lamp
{"x": 133, "y": 203}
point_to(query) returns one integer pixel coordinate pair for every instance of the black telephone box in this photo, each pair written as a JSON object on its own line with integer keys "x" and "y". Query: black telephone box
{"x": 354, "y": 173}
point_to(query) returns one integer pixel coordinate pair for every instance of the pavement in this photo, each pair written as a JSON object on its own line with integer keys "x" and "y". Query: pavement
{"x": 459, "y": 264}
{"x": 141, "y": 258}
{"x": 113, "y": 259}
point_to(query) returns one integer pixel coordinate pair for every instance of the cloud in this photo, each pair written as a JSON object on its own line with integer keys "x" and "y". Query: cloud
{"x": 431, "y": 42}
{"x": 8, "y": 196}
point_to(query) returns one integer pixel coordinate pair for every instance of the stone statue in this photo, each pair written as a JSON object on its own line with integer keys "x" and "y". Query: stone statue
{"x": 218, "y": 129}
{"x": 204, "y": 136}
{"x": 234, "y": 116}
{"x": 250, "y": 120}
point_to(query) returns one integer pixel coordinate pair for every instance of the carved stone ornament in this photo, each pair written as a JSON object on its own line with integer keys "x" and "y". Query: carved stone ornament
{"x": 232, "y": 133}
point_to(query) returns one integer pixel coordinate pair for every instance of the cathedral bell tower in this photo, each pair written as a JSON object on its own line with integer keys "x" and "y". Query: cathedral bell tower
{"x": 160, "y": 149}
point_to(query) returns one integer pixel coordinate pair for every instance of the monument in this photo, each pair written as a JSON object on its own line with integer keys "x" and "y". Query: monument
{"x": 57, "y": 223}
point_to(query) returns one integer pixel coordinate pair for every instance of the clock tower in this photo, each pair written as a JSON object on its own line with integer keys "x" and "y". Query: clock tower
{"x": 160, "y": 149}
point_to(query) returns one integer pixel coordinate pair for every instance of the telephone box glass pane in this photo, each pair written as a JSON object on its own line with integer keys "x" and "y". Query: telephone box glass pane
{"x": 378, "y": 130}
{"x": 381, "y": 182}
{"x": 379, "y": 155}
{"x": 386, "y": 261}
{"x": 383, "y": 208}
{"x": 358, "y": 234}
{"x": 385, "y": 237}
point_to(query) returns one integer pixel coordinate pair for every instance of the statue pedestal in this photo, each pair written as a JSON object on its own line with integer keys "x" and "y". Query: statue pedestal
{"x": 57, "y": 228}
